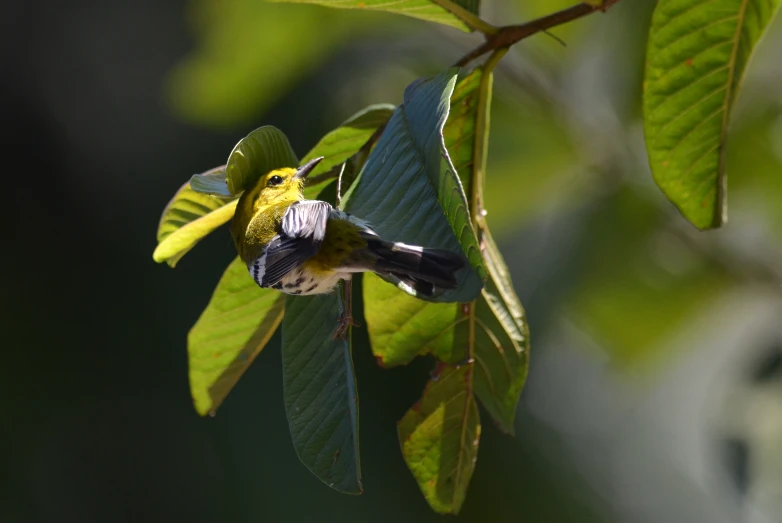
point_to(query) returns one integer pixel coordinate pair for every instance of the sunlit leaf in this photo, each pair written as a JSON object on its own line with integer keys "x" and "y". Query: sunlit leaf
{"x": 187, "y": 219}
{"x": 345, "y": 142}
{"x": 439, "y": 437}
{"x": 459, "y": 130}
{"x": 408, "y": 189}
{"x": 697, "y": 53}
{"x": 319, "y": 384}
{"x": 263, "y": 150}
{"x": 402, "y": 327}
{"x": 423, "y": 9}
{"x": 236, "y": 324}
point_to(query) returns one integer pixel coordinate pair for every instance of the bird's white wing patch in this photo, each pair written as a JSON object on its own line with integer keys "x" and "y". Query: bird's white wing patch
{"x": 258, "y": 269}
{"x": 306, "y": 218}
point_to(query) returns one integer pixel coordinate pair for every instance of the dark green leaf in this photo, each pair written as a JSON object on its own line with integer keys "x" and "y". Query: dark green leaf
{"x": 188, "y": 218}
{"x": 261, "y": 151}
{"x": 236, "y": 324}
{"x": 319, "y": 385}
{"x": 439, "y": 437}
{"x": 429, "y": 10}
{"x": 408, "y": 188}
{"x": 696, "y": 57}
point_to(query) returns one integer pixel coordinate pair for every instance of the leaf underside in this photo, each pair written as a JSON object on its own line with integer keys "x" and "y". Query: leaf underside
{"x": 408, "y": 189}
{"x": 697, "y": 54}
{"x": 263, "y": 150}
{"x": 421, "y": 9}
{"x": 439, "y": 436}
{"x": 321, "y": 399}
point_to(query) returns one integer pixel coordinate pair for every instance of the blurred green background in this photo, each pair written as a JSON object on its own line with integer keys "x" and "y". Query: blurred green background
{"x": 655, "y": 390}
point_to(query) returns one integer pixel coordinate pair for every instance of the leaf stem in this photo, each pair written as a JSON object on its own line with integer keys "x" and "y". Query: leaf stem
{"x": 482, "y": 139}
{"x": 508, "y": 35}
{"x": 470, "y": 20}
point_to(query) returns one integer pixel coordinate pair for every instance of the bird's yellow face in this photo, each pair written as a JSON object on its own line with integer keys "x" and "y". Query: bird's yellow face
{"x": 261, "y": 207}
{"x": 278, "y": 186}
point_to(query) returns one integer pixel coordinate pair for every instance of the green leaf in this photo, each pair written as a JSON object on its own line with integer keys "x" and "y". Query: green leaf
{"x": 439, "y": 437}
{"x": 501, "y": 346}
{"x": 461, "y": 14}
{"x": 491, "y": 331}
{"x": 402, "y": 327}
{"x": 408, "y": 189}
{"x": 188, "y": 218}
{"x": 319, "y": 387}
{"x": 696, "y": 57}
{"x": 459, "y": 130}
{"x": 344, "y": 142}
{"x": 236, "y": 324}
{"x": 347, "y": 139}
{"x": 263, "y": 150}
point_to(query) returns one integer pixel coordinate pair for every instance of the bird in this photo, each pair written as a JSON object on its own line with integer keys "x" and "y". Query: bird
{"x": 305, "y": 247}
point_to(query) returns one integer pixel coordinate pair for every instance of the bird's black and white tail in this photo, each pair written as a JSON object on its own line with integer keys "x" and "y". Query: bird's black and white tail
{"x": 427, "y": 272}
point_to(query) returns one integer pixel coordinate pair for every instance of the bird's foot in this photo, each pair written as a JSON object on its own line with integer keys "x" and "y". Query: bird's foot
{"x": 344, "y": 322}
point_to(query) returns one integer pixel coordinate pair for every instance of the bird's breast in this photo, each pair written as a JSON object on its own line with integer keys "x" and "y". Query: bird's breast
{"x": 304, "y": 281}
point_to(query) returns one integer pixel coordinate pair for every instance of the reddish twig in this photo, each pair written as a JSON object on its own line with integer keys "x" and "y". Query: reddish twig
{"x": 510, "y": 34}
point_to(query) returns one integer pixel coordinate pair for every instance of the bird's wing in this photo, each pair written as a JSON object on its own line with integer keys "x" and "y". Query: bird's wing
{"x": 301, "y": 235}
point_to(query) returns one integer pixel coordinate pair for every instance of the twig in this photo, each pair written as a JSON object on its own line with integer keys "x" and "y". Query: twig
{"x": 510, "y": 34}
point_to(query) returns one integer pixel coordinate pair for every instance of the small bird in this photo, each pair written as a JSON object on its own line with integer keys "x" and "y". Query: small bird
{"x": 306, "y": 247}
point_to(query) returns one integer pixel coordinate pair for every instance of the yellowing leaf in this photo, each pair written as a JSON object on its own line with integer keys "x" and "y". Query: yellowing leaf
{"x": 439, "y": 437}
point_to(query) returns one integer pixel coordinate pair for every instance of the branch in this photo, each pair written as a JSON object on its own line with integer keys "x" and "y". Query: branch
{"x": 510, "y": 34}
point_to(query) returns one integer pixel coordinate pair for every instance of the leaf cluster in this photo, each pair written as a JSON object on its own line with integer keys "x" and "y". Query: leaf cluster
{"x": 417, "y": 173}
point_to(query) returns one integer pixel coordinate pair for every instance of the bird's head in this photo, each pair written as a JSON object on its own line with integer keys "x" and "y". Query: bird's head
{"x": 273, "y": 189}
{"x": 281, "y": 185}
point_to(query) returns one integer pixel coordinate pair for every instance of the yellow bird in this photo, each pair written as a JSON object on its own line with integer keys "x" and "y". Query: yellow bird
{"x": 305, "y": 247}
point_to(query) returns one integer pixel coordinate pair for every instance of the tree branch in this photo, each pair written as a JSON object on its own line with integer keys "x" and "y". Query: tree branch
{"x": 510, "y": 34}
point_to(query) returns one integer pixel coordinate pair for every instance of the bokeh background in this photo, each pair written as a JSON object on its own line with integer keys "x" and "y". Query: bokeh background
{"x": 655, "y": 391}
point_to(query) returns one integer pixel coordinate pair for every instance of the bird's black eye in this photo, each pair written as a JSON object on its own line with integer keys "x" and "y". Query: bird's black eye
{"x": 274, "y": 180}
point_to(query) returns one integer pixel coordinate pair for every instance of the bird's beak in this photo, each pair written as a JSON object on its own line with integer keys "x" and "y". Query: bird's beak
{"x": 307, "y": 168}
